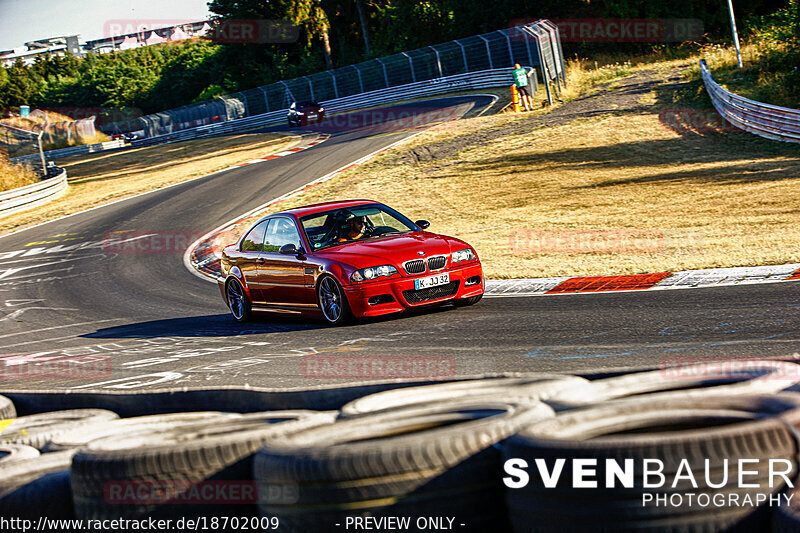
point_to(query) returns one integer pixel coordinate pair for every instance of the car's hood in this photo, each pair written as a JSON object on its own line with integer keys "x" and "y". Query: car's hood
{"x": 394, "y": 250}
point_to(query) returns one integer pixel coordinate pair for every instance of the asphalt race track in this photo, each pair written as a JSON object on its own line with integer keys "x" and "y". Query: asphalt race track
{"x": 142, "y": 320}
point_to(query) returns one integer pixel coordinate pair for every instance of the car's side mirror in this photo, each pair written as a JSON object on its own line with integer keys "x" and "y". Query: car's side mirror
{"x": 424, "y": 224}
{"x": 290, "y": 249}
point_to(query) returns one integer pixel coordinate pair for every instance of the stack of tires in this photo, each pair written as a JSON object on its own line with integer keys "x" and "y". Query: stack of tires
{"x": 525, "y": 454}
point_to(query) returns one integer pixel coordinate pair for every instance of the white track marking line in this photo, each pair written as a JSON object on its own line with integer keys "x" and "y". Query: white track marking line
{"x": 58, "y": 327}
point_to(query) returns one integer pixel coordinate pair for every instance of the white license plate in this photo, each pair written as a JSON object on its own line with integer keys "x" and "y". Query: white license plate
{"x": 432, "y": 281}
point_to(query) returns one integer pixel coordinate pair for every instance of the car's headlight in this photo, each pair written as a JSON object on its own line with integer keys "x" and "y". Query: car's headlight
{"x": 299, "y": 113}
{"x": 321, "y": 109}
{"x": 366, "y": 274}
{"x": 467, "y": 254}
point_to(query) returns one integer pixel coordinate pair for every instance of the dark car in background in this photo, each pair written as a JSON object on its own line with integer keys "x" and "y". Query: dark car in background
{"x": 304, "y": 113}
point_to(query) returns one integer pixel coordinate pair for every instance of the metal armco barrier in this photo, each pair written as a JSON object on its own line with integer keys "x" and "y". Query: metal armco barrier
{"x": 536, "y": 44}
{"x": 768, "y": 121}
{"x": 73, "y": 150}
{"x": 473, "y": 80}
{"x": 29, "y": 196}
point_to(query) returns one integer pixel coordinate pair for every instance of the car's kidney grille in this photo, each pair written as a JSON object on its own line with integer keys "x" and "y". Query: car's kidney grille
{"x": 432, "y": 293}
{"x": 437, "y": 263}
{"x": 417, "y": 266}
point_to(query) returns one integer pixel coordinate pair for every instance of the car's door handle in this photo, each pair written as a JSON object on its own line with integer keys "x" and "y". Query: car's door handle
{"x": 261, "y": 260}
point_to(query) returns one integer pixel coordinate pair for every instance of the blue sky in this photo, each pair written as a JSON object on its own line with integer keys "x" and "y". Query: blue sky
{"x": 29, "y": 20}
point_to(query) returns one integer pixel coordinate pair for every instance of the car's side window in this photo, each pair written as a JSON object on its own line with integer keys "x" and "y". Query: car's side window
{"x": 254, "y": 241}
{"x": 281, "y": 231}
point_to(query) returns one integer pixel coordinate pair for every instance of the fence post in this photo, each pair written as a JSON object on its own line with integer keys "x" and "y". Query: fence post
{"x": 246, "y": 107}
{"x": 510, "y": 50}
{"x": 41, "y": 152}
{"x": 288, "y": 91}
{"x": 411, "y": 63}
{"x": 335, "y": 88}
{"x": 438, "y": 60}
{"x": 464, "y": 54}
{"x": 542, "y": 63}
{"x": 385, "y": 74}
{"x": 266, "y": 98}
{"x": 360, "y": 81}
{"x": 488, "y": 51}
{"x": 310, "y": 87}
{"x": 527, "y": 44}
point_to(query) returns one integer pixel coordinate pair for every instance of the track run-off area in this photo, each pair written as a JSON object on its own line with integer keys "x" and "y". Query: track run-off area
{"x": 135, "y": 320}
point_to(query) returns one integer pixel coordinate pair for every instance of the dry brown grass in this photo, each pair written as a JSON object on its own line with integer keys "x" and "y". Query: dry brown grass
{"x": 102, "y": 177}
{"x": 13, "y": 176}
{"x": 685, "y": 200}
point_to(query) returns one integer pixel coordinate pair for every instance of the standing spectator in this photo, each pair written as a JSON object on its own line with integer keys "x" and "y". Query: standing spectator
{"x": 521, "y": 81}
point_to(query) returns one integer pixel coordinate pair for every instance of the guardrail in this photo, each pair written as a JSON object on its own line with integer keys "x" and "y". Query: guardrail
{"x": 766, "y": 120}
{"x": 471, "y": 80}
{"x": 29, "y": 196}
{"x": 74, "y": 150}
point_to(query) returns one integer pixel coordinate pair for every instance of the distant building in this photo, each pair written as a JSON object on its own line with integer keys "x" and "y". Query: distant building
{"x": 147, "y": 37}
{"x": 136, "y": 39}
{"x": 53, "y": 45}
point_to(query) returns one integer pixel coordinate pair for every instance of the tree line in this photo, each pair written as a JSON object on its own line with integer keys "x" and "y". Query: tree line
{"x": 332, "y": 33}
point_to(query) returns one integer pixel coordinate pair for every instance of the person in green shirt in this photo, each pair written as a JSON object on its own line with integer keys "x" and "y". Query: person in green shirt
{"x": 521, "y": 81}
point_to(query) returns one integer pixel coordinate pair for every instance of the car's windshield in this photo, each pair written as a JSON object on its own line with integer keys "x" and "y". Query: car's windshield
{"x": 339, "y": 226}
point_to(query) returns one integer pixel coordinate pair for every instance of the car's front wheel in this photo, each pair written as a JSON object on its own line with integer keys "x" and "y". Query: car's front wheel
{"x": 238, "y": 302}
{"x": 332, "y": 301}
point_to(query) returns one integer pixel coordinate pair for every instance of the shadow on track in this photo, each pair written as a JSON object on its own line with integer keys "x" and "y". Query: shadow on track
{"x": 221, "y": 325}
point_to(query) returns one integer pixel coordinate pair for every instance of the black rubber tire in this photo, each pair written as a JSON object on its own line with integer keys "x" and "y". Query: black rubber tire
{"x": 247, "y": 305}
{"x": 190, "y": 452}
{"x": 534, "y": 388}
{"x": 431, "y": 459}
{"x": 464, "y": 302}
{"x": 759, "y": 427}
{"x": 7, "y": 408}
{"x": 345, "y": 315}
{"x": 786, "y": 518}
{"x": 125, "y": 426}
{"x": 16, "y": 452}
{"x": 37, "y": 487}
{"x": 38, "y": 430}
{"x": 764, "y": 377}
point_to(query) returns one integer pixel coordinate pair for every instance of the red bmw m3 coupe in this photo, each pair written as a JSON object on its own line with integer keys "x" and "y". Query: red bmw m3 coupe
{"x": 343, "y": 260}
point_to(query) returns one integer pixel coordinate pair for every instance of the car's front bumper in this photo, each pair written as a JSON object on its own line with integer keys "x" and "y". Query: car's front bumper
{"x": 382, "y": 297}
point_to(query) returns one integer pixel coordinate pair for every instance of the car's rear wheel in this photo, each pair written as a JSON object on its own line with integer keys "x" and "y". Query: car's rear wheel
{"x": 238, "y": 302}
{"x": 332, "y": 301}
{"x": 463, "y": 302}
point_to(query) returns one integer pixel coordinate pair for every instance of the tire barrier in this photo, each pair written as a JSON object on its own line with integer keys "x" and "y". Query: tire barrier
{"x": 536, "y": 388}
{"x": 7, "y": 408}
{"x": 14, "y": 452}
{"x": 425, "y": 450}
{"x": 85, "y": 435}
{"x": 423, "y": 460}
{"x": 759, "y": 377}
{"x": 683, "y": 435}
{"x": 37, "y": 430}
{"x": 30, "y": 487}
{"x": 192, "y": 452}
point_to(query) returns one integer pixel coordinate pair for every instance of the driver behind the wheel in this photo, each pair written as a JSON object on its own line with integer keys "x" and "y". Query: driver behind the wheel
{"x": 357, "y": 229}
